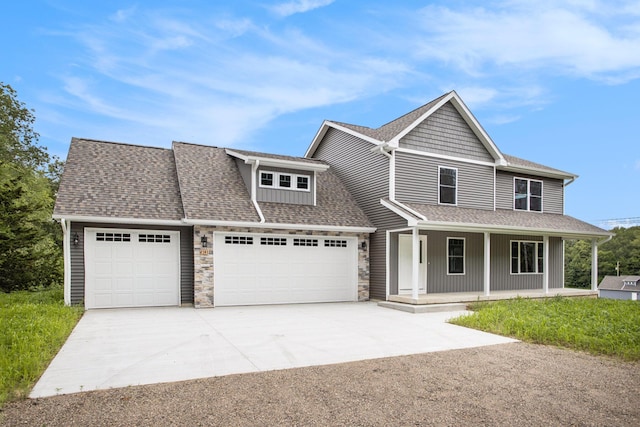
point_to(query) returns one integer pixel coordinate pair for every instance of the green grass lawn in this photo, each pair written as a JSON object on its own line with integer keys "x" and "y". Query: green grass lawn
{"x": 33, "y": 327}
{"x": 598, "y": 326}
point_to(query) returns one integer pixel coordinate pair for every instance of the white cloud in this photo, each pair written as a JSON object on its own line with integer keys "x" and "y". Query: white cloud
{"x": 299, "y": 6}
{"x": 574, "y": 38}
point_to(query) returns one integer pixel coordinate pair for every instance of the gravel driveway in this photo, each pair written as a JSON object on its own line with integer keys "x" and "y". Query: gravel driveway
{"x": 507, "y": 384}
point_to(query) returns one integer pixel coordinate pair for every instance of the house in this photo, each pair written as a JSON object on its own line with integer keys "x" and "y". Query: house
{"x": 620, "y": 287}
{"x": 453, "y": 214}
{"x": 424, "y": 205}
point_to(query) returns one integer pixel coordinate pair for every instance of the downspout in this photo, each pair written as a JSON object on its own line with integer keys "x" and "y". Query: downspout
{"x": 254, "y": 200}
{"x": 66, "y": 257}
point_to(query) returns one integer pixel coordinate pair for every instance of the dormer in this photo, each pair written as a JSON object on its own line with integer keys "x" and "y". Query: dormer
{"x": 279, "y": 179}
{"x": 630, "y": 281}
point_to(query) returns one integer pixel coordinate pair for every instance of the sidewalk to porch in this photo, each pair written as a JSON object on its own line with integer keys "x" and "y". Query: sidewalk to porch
{"x": 463, "y": 297}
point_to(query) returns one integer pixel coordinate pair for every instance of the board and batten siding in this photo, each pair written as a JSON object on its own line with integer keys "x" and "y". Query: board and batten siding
{"x": 186, "y": 258}
{"x": 552, "y": 192}
{"x": 294, "y": 197}
{"x": 417, "y": 181}
{"x": 366, "y": 176}
{"x": 446, "y": 132}
{"x": 501, "y": 277}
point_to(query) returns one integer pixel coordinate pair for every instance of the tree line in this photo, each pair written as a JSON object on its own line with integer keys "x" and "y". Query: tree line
{"x": 30, "y": 241}
{"x": 620, "y": 255}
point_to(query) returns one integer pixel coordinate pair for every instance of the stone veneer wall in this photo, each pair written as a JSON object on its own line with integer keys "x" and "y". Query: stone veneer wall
{"x": 203, "y": 258}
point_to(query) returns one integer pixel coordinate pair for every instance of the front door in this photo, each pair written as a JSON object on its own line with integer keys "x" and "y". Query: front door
{"x": 405, "y": 264}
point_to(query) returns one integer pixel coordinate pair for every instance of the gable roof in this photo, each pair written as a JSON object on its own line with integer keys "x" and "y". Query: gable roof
{"x": 392, "y": 131}
{"x": 106, "y": 179}
{"x": 190, "y": 183}
{"x": 617, "y": 283}
{"x": 516, "y": 164}
{"x": 500, "y": 220}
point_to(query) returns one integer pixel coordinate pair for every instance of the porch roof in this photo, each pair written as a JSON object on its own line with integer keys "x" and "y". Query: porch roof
{"x": 500, "y": 220}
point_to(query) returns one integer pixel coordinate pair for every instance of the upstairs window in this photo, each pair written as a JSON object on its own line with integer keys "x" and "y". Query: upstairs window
{"x": 527, "y": 257}
{"x": 448, "y": 185}
{"x": 285, "y": 181}
{"x": 266, "y": 179}
{"x": 527, "y": 195}
{"x": 455, "y": 255}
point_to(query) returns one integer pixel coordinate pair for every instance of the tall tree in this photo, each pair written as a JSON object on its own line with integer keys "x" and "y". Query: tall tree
{"x": 30, "y": 252}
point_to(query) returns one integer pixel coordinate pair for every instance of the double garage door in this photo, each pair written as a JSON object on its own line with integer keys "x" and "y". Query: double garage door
{"x": 131, "y": 268}
{"x": 140, "y": 268}
{"x": 279, "y": 269}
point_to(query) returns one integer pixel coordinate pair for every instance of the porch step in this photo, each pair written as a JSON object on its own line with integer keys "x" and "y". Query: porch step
{"x": 423, "y": 308}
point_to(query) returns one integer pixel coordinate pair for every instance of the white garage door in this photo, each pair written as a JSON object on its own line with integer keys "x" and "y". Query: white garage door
{"x": 131, "y": 268}
{"x": 270, "y": 269}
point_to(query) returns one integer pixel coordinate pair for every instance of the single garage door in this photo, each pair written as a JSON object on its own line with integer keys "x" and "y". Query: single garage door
{"x": 131, "y": 268}
{"x": 277, "y": 269}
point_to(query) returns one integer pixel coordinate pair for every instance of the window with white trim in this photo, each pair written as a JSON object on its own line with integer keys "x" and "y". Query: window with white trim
{"x": 113, "y": 237}
{"x": 273, "y": 241}
{"x": 285, "y": 181}
{"x": 238, "y": 240}
{"x": 332, "y": 243}
{"x": 527, "y": 257}
{"x": 527, "y": 194}
{"x": 447, "y": 185}
{"x": 154, "y": 238}
{"x": 305, "y": 242}
{"x": 455, "y": 255}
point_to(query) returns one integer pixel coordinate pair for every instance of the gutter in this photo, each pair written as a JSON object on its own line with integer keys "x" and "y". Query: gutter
{"x": 254, "y": 172}
{"x": 66, "y": 257}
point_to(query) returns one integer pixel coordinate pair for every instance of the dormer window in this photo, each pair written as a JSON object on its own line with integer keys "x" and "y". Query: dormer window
{"x": 527, "y": 195}
{"x": 285, "y": 181}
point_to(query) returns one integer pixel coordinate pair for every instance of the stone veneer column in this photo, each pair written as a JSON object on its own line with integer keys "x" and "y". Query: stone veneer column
{"x": 203, "y": 268}
{"x": 363, "y": 267}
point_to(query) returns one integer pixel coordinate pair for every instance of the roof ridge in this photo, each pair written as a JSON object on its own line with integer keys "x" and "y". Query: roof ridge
{"x": 101, "y": 141}
{"x": 433, "y": 101}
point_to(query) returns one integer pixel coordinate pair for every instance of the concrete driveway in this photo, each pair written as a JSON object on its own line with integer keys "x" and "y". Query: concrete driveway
{"x": 125, "y": 347}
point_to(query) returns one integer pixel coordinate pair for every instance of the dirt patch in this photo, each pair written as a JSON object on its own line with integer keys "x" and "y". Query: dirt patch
{"x": 508, "y": 384}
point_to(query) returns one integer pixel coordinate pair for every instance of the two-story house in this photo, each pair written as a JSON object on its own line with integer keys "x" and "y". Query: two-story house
{"x": 453, "y": 214}
{"x": 424, "y": 205}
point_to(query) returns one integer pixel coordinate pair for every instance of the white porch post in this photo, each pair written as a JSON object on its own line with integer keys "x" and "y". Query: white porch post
{"x": 487, "y": 263}
{"x": 594, "y": 264}
{"x": 545, "y": 266}
{"x": 415, "y": 263}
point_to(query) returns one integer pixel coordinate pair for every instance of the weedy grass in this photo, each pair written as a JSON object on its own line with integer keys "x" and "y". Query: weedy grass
{"x": 598, "y": 326}
{"x": 33, "y": 327}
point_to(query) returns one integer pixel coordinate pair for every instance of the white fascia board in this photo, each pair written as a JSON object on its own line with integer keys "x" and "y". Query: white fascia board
{"x": 116, "y": 220}
{"x": 268, "y": 161}
{"x": 539, "y": 172}
{"x": 393, "y": 207}
{"x": 444, "y": 157}
{"x": 272, "y": 225}
{"x": 468, "y": 116}
{"x": 505, "y": 229}
{"x": 396, "y": 139}
{"x": 323, "y": 130}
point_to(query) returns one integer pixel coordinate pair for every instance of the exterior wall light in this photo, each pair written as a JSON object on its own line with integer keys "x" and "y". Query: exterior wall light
{"x": 76, "y": 239}
{"x": 203, "y": 240}
{"x": 364, "y": 245}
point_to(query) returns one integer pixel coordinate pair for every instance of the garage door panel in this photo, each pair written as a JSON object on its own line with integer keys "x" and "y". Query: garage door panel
{"x": 124, "y": 269}
{"x": 294, "y": 271}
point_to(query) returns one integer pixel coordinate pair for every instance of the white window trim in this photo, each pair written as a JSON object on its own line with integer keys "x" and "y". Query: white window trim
{"x": 529, "y": 180}
{"x": 447, "y": 204}
{"x": 536, "y": 256}
{"x": 276, "y": 181}
{"x": 464, "y": 255}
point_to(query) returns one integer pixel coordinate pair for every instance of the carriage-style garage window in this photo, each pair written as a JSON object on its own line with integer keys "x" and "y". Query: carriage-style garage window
{"x": 447, "y": 185}
{"x": 455, "y": 255}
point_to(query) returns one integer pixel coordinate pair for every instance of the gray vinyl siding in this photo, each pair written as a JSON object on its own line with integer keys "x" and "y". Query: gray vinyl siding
{"x": 445, "y": 132}
{"x": 294, "y": 197}
{"x": 366, "y": 176}
{"x": 417, "y": 181}
{"x": 552, "y": 192}
{"x": 186, "y": 258}
{"x": 619, "y": 295}
{"x": 501, "y": 277}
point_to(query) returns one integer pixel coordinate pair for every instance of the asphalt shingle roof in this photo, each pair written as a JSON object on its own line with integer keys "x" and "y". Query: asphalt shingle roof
{"x": 507, "y": 218}
{"x": 211, "y": 184}
{"x": 279, "y": 157}
{"x": 516, "y": 161}
{"x": 106, "y": 179}
{"x": 616, "y": 283}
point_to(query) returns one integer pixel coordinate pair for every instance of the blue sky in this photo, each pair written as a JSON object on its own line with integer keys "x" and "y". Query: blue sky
{"x": 556, "y": 82}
